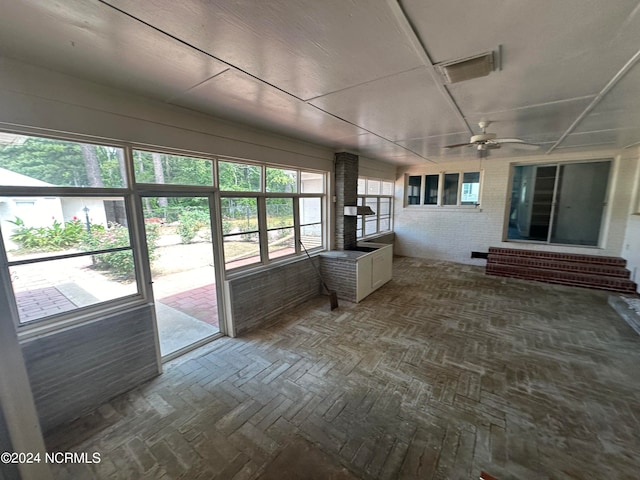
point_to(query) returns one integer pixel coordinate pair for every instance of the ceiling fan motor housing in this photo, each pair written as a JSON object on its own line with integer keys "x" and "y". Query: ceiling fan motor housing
{"x": 482, "y": 138}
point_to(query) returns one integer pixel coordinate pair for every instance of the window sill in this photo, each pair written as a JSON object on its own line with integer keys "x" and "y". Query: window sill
{"x": 54, "y": 325}
{"x": 259, "y": 268}
{"x": 369, "y": 238}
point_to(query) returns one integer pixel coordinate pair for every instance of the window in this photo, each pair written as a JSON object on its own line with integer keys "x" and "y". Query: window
{"x": 378, "y": 195}
{"x": 281, "y": 180}
{"x": 311, "y": 221}
{"x": 311, "y": 182}
{"x": 280, "y": 227}
{"x": 470, "y": 188}
{"x": 240, "y": 231}
{"x": 71, "y": 239}
{"x": 444, "y": 189}
{"x": 431, "y": 189}
{"x": 414, "y": 187}
{"x": 67, "y": 248}
{"x": 164, "y": 169}
{"x": 450, "y": 189}
{"x": 69, "y": 263}
{"x": 263, "y": 224}
{"x": 44, "y": 162}
{"x": 239, "y": 177}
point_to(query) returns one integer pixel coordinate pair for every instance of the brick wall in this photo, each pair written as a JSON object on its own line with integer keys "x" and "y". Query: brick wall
{"x": 451, "y": 234}
{"x": 346, "y": 183}
{"x": 341, "y": 276}
{"x": 256, "y": 299}
{"x": 76, "y": 370}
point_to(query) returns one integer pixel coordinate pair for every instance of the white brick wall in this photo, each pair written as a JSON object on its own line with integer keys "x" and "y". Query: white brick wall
{"x": 451, "y": 233}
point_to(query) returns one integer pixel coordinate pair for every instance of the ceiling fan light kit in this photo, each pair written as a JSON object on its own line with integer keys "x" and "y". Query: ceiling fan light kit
{"x": 489, "y": 141}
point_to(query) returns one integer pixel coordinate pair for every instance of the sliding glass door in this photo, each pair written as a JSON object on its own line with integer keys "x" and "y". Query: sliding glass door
{"x": 558, "y": 203}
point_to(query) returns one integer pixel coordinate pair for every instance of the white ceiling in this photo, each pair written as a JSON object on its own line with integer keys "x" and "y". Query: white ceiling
{"x": 358, "y": 74}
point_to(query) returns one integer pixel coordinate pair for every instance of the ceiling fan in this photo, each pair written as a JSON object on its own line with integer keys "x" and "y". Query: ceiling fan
{"x": 489, "y": 141}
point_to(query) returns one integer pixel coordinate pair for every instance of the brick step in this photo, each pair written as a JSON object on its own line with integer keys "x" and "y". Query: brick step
{"x": 552, "y": 264}
{"x": 575, "y": 279}
{"x": 563, "y": 257}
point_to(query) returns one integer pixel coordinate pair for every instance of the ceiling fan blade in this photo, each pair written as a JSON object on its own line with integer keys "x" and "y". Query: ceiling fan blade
{"x": 524, "y": 146}
{"x": 516, "y": 143}
{"x": 458, "y": 145}
{"x": 508, "y": 140}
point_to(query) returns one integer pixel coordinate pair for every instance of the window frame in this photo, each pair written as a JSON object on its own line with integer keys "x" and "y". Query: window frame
{"x": 77, "y": 315}
{"x": 263, "y": 229}
{"x": 132, "y": 192}
{"x": 362, "y": 201}
{"x": 441, "y": 190}
{"x": 53, "y": 256}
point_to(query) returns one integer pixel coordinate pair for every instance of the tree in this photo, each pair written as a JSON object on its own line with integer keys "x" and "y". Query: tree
{"x": 64, "y": 163}
{"x": 121, "y": 165}
{"x": 279, "y": 180}
{"x": 90, "y": 157}
{"x": 236, "y": 177}
{"x": 52, "y": 161}
{"x": 159, "y": 176}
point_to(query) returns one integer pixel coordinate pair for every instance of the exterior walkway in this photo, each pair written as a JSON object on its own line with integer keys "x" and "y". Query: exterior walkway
{"x": 41, "y": 302}
{"x": 441, "y": 374}
{"x": 200, "y": 303}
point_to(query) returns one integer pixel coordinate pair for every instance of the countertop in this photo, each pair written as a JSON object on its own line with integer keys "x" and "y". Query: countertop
{"x": 353, "y": 255}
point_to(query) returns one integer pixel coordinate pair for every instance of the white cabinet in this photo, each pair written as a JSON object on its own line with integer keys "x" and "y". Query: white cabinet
{"x": 354, "y": 274}
{"x": 373, "y": 270}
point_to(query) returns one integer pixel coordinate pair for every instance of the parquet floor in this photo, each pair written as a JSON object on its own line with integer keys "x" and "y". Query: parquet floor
{"x": 441, "y": 374}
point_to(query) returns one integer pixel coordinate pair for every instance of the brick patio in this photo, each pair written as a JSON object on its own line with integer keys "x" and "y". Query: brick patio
{"x": 42, "y": 302}
{"x": 200, "y": 303}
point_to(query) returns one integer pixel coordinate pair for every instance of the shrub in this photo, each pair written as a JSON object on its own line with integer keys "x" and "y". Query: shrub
{"x": 55, "y": 237}
{"x": 120, "y": 263}
{"x": 227, "y": 226}
{"x": 190, "y": 222}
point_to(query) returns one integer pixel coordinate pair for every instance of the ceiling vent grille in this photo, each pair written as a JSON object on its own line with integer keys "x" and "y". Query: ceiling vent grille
{"x": 468, "y": 68}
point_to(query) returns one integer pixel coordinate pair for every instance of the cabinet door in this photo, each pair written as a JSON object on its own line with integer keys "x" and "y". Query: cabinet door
{"x": 363, "y": 279}
{"x": 381, "y": 268}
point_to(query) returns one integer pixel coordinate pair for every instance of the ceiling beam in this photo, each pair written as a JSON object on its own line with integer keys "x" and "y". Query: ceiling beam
{"x": 407, "y": 27}
{"x": 597, "y": 99}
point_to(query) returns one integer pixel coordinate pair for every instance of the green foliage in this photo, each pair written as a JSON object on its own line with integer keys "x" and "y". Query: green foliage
{"x": 282, "y": 181}
{"x": 62, "y": 163}
{"x": 237, "y": 177}
{"x": 43, "y": 158}
{"x": 121, "y": 263}
{"x": 190, "y": 222}
{"x": 239, "y": 214}
{"x": 59, "y": 162}
{"x": 176, "y": 169}
{"x": 74, "y": 235}
{"x": 55, "y": 237}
